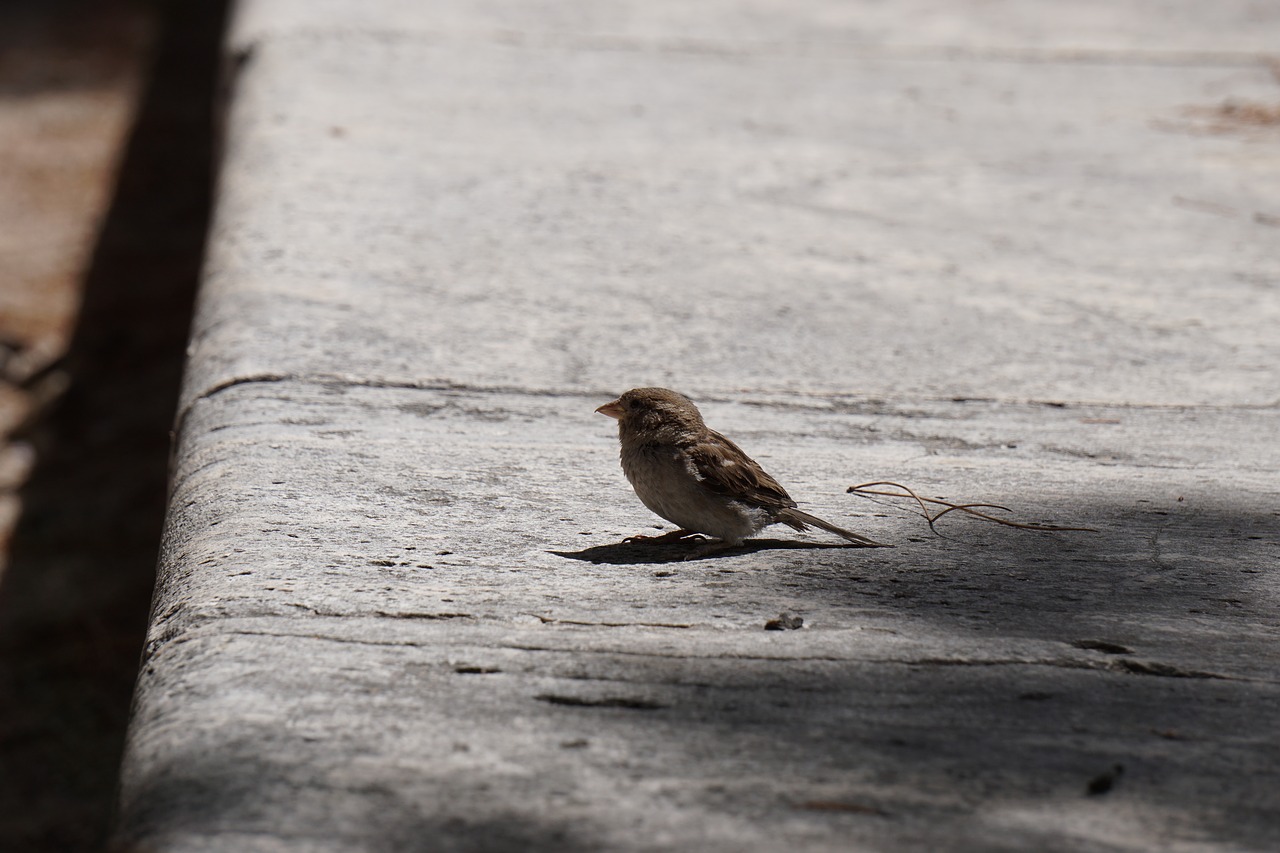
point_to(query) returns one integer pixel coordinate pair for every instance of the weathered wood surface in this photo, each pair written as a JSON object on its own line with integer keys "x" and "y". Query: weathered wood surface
{"x": 1040, "y": 270}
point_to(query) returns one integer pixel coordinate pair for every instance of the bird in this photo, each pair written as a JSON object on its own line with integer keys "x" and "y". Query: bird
{"x": 697, "y": 479}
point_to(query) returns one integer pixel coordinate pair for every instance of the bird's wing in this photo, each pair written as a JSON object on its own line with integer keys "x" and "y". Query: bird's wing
{"x": 721, "y": 467}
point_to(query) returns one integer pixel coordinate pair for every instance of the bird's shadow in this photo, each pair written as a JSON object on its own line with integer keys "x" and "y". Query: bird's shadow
{"x": 641, "y": 553}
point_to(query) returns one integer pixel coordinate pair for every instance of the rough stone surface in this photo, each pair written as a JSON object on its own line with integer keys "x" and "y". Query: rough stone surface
{"x": 394, "y": 610}
{"x": 587, "y": 217}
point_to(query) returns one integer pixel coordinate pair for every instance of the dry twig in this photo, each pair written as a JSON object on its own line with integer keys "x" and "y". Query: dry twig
{"x": 866, "y": 490}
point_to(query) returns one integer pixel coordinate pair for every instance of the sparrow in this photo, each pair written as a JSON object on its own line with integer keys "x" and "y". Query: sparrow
{"x": 696, "y": 478}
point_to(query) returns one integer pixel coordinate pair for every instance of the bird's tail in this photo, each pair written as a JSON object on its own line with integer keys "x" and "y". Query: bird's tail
{"x": 800, "y": 520}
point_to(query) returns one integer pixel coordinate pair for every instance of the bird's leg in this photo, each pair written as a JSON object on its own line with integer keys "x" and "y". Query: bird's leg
{"x": 669, "y": 536}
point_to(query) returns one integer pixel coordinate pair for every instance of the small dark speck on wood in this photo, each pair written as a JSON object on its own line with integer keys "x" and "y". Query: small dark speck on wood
{"x": 1104, "y": 782}
{"x": 785, "y": 622}
{"x": 1035, "y": 696}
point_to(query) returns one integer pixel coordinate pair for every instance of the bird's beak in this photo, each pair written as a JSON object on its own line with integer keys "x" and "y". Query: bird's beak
{"x": 613, "y": 410}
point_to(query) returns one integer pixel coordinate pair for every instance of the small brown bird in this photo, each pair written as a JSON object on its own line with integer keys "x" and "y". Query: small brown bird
{"x": 696, "y": 478}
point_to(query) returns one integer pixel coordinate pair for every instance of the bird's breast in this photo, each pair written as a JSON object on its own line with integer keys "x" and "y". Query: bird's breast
{"x": 667, "y": 482}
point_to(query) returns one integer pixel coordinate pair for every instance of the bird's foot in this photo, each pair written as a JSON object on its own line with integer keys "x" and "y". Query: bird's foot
{"x": 669, "y": 536}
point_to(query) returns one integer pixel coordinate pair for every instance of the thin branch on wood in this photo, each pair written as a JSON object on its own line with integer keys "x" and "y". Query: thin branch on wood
{"x": 867, "y": 490}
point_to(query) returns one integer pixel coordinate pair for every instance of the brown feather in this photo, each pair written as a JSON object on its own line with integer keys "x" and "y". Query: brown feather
{"x": 725, "y": 469}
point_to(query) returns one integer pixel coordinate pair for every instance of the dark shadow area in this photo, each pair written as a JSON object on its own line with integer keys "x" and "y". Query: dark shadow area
{"x": 67, "y": 44}
{"x": 1202, "y": 563}
{"x": 75, "y": 597}
{"x": 1048, "y": 661}
{"x": 1105, "y": 691}
{"x": 647, "y": 553}
{"x": 223, "y": 796}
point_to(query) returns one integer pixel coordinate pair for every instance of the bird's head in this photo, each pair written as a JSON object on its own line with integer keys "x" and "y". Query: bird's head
{"x": 654, "y": 414}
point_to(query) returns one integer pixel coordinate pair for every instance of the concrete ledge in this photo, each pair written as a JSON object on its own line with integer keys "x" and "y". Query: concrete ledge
{"x": 393, "y": 609}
